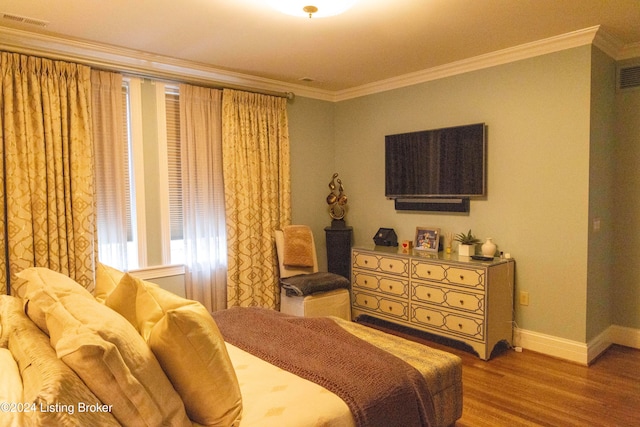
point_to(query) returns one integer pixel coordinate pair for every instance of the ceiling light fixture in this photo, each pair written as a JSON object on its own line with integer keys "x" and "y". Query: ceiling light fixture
{"x": 312, "y": 8}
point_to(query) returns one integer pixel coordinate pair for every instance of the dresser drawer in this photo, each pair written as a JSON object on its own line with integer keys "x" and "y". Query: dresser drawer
{"x": 427, "y": 317}
{"x": 390, "y": 285}
{"x": 365, "y": 260}
{"x": 466, "y": 277}
{"x": 394, "y": 308}
{"x": 394, "y": 265}
{"x": 448, "y": 322}
{"x": 473, "y": 303}
{"x": 380, "y": 304}
{"x": 447, "y": 297}
{"x": 424, "y": 293}
{"x": 427, "y": 271}
{"x": 463, "y": 325}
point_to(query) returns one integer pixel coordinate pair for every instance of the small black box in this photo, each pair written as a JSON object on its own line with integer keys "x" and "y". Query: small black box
{"x": 386, "y": 237}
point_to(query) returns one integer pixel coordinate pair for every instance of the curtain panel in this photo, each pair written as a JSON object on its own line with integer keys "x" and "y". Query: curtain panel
{"x": 47, "y": 171}
{"x": 203, "y": 196}
{"x": 111, "y": 172}
{"x": 256, "y": 168}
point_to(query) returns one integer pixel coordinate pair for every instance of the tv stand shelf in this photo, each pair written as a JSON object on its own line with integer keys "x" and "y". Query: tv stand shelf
{"x": 447, "y": 295}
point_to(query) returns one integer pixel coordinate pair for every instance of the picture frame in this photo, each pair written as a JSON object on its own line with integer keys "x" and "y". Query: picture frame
{"x": 427, "y": 239}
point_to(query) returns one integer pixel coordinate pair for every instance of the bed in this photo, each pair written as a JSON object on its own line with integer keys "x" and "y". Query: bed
{"x": 133, "y": 354}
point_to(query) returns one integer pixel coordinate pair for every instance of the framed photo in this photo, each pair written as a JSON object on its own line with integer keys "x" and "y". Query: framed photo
{"x": 427, "y": 239}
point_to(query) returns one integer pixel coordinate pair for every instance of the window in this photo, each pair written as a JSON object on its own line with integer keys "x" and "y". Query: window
{"x": 131, "y": 223}
{"x": 151, "y": 130}
{"x": 172, "y": 106}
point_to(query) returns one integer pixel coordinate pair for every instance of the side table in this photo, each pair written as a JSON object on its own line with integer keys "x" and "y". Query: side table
{"x": 339, "y": 248}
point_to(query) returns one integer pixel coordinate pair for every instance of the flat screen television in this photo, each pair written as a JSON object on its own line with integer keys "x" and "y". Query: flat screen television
{"x": 448, "y": 162}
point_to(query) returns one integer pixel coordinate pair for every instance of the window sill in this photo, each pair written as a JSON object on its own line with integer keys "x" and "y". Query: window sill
{"x": 158, "y": 271}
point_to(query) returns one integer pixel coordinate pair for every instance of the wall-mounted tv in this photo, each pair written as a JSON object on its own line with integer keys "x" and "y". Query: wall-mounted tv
{"x": 448, "y": 162}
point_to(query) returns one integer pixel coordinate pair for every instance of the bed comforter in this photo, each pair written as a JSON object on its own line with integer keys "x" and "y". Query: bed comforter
{"x": 334, "y": 359}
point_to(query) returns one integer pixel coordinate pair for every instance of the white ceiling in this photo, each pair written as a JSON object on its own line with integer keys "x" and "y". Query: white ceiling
{"x": 375, "y": 41}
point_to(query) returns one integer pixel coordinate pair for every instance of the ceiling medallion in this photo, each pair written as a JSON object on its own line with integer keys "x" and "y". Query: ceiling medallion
{"x": 312, "y": 8}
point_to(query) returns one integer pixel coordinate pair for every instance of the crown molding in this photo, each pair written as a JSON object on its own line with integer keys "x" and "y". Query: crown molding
{"x": 144, "y": 64}
{"x": 151, "y": 65}
{"x": 500, "y": 57}
{"x": 608, "y": 44}
{"x": 629, "y": 51}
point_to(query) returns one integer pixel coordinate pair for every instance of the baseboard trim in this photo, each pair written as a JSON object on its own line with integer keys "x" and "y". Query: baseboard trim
{"x": 575, "y": 351}
{"x": 561, "y": 348}
{"x": 622, "y": 335}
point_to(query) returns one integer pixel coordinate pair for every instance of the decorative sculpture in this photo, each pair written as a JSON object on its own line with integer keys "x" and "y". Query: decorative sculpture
{"x": 337, "y": 202}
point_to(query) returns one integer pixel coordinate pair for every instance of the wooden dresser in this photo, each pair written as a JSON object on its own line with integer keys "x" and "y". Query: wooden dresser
{"x": 455, "y": 297}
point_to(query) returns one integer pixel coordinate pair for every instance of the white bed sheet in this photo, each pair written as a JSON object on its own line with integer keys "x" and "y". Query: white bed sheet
{"x": 274, "y": 397}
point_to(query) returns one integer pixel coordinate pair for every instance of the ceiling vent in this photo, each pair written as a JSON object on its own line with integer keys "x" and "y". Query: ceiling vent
{"x": 629, "y": 77}
{"x": 24, "y": 20}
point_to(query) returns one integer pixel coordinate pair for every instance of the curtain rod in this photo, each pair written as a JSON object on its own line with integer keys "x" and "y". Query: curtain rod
{"x": 123, "y": 61}
{"x": 198, "y": 81}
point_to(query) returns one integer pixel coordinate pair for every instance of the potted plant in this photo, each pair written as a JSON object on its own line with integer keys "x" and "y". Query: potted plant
{"x": 468, "y": 242}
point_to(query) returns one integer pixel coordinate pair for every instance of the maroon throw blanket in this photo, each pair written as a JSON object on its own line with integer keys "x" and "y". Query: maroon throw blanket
{"x": 379, "y": 388}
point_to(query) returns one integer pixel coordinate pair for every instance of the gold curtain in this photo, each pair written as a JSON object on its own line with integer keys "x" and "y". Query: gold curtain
{"x": 255, "y": 147}
{"x": 47, "y": 170}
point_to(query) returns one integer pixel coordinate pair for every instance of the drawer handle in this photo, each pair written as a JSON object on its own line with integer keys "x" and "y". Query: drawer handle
{"x": 461, "y": 302}
{"x": 366, "y": 262}
{"x": 428, "y": 317}
{"x": 390, "y": 308}
{"x": 428, "y": 272}
{"x": 428, "y": 295}
{"x": 461, "y": 277}
{"x": 460, "y": 325}
{"x": 390, "y": 266}
{"x": 365, "y": 282}
{"x": 366, "y": 302}
{"x": 390, "y": 287}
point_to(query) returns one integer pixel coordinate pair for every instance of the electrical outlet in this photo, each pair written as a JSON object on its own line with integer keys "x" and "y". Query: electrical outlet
{"x": 596, "y": 225}
{"x": 524, "y": 298}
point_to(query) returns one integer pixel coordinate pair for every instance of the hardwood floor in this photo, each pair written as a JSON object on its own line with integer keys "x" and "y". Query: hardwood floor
{"x": 531, "y": 389}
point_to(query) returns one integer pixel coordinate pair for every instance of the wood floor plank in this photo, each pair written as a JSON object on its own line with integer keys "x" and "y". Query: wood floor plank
{"x": 531, "y": 389}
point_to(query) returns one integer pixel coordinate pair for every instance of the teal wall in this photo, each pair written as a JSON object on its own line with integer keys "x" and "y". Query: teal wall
{"x": 538, "y": 113}
{"x": 601, "y": 209}
{"x": 626, "y": 286}
{"x": 313, "y": 153}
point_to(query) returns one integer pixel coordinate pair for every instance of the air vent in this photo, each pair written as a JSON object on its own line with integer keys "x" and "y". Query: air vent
{"x": 629, "y": 77}
{"x": 24, "y": 20}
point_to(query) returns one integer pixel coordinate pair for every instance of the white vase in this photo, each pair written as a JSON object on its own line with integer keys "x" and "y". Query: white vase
{"x": 488, "y": 247}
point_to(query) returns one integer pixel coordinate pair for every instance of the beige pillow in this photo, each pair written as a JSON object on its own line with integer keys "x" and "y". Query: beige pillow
{"x": 114, "y": 361}
{"x": 107, "y": 278}
{"x": 56, "y": 284}
{"x": 134, "y": 302}
{"x": 191, "y": 350}
{"x": 187, "y": 343}
{"x": 46, "y": 379}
